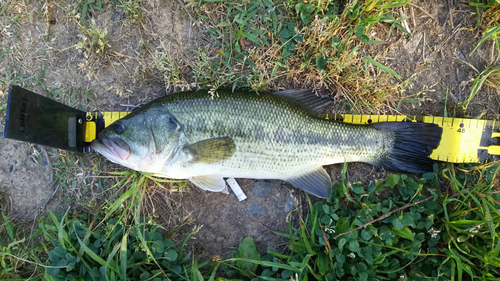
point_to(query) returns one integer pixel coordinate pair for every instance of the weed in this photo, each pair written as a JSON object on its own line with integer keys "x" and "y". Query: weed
{"x": 85, "y": 247}
{"x": 171, "y": 70}
{"x": 490, "y": 23}
{"x": 294, "y": 43}
{"x": 402, "y": 227}
{"x": 119, "y": 243}
{"x": 85, "y": 8}
{"x": 415, "y": 232}
{"x": 94, "y": 43}
{"x": 15, "y": 253}
{"x": 133, "y": 9}
{"x": 110, "y": 242}
{"x": 490, "y": 77}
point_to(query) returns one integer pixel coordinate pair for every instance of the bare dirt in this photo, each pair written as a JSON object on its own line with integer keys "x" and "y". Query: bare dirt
{"x": 438, "y": 57}
{"x": 39, "y": 52}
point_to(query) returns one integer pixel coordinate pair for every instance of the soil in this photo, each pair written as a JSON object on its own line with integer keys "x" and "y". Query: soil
{"x": 39, "y": 53}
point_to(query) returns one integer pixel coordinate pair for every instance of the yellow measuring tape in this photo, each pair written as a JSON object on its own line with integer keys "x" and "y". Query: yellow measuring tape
{"x": 463, "y": 140}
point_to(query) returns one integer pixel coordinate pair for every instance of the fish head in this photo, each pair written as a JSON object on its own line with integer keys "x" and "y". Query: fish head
{"x": 143, "y": 141}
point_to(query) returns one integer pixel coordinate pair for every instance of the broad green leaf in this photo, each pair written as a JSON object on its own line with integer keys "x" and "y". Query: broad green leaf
{"x": 358, "y": 189}
{"x": 367, "y": 254}
{"x": 408, "y": 219}
{"x": 341, "y": 244}
{"x": 361, "y": 267}
{"x": 171, "y": 255}
{"x": 353, "y": 246}
{"x": 336, "y": 42}
{"x": 363, "y": 276}
{"x": 396, "y": 222}
{"x": 392, "y": 180}
{"x": 366, "y": 234}
{"x": 326, "y": 209}
{"x": 247, "y": 251}
{"x": 322, "y": 262}
{"x": 321, "y": 62}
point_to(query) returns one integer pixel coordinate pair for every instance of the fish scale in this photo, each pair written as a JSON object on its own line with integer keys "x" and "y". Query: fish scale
{"x": 289, "y": 138}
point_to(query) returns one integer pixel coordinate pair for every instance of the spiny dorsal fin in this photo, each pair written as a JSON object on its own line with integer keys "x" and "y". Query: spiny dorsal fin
{"x": 211, "y": 150}
{"x": 307, "y": 99}
{"x": 317, "y": 183}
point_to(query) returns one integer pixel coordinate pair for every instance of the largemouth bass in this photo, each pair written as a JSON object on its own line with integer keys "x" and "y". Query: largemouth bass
{"x": 193, "y": 136}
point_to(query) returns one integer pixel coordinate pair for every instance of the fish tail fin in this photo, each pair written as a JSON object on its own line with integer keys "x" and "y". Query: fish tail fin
{"x": 412, "y": 146}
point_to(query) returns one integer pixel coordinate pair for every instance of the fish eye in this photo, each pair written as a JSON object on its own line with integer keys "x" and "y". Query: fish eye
{"x": 119, "y": 128}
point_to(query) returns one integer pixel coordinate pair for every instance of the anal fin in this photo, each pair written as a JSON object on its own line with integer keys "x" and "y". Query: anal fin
{"x": 317, "y": 183}
{"x": 212, "y": 183}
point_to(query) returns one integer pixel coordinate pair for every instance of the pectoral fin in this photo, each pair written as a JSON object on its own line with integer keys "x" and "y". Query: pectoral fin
{"x": 210, "y": 150}
{"x": 317, "y": 183}
{"x": 210, "y": 183}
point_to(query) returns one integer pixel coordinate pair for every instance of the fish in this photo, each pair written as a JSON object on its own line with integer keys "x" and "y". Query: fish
{"x": 241, "y": 134}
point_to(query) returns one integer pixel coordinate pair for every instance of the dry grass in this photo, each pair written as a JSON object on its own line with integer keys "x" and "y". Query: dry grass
{"x": 328, "y": 55}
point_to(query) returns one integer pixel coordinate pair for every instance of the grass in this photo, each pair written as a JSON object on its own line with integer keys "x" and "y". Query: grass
{"x": 441, "y": 226}
{"x": 133, "y": 9}
{"x": 117, "y": 244}
{"x": 489, "y": 77}
{"x": 400, "y": 228}
{"x": 489, "y": 23}
{"x": 421, "y": 231}
{"x": 315, "y": 45}
{"x": 84, "y": 9}
{"x": 94, "y": 43}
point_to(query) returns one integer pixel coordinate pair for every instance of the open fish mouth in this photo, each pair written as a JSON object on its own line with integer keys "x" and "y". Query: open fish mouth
{"x": 111, "y": 147}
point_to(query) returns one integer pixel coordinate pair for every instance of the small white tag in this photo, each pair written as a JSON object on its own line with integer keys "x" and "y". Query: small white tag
{"x": 235, "y": 187}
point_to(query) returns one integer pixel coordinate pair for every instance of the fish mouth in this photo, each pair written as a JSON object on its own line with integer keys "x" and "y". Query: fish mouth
{"x": 111, "y": 147}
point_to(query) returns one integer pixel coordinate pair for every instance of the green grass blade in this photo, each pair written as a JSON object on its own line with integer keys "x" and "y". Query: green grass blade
{"x": 381, "y": 66}
{"x": 478, "y": 83}
{"x": 491, "y": 33}
{"x": 123, "y": 257}
{"x": 252, "y": 38}
{"x": 267, "y": 264}
{"x": 62, "y": 236}
{"x": 93, "y": 255}
{"x": 3, "y": 9}
{"x": 489, "y": 220}
{"x": 118, "y": 202}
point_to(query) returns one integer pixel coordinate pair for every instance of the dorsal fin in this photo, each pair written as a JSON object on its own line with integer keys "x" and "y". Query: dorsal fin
{"x": 306, "y": 98}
